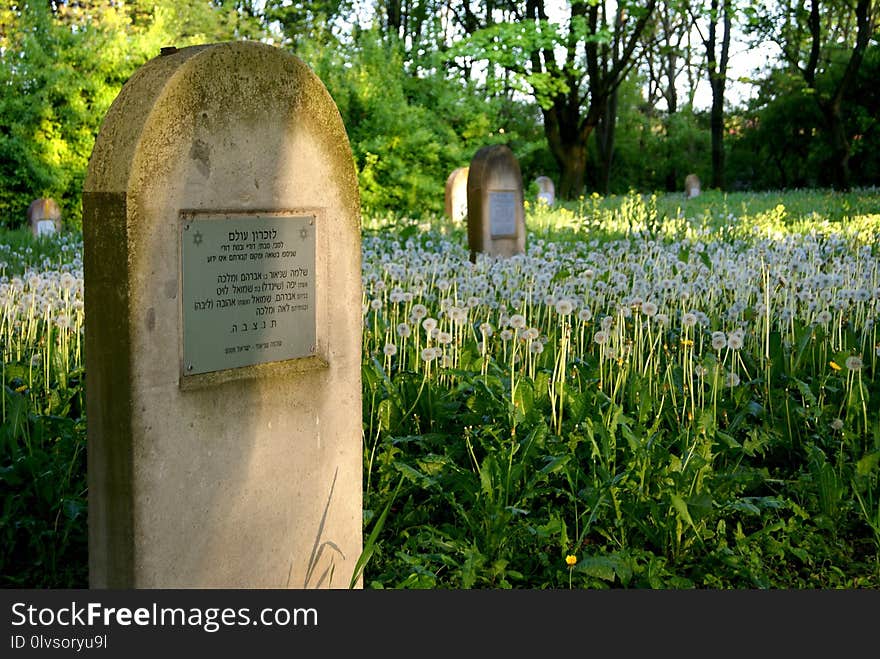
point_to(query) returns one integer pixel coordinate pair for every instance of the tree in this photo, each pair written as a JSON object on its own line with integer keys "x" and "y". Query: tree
{"x": 571, "y": 65}
{"x": 813, "y": 34}
{"x": 61, "y": 66}
{"x": 717, "y": 58}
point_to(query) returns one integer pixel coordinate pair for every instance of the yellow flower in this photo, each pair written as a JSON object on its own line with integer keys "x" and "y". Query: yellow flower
{"x": 687, "y": 342}
{"x": 571, "y": 560}
{"x": 834, "y": 366}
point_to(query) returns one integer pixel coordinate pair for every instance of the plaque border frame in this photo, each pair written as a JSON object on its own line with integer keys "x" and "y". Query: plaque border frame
{"x": 278, "y": 368}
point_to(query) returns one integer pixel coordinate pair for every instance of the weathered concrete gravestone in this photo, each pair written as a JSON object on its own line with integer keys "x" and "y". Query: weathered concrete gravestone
{"x": 44, "y": 217}
{"x": 691, "y": 186}
{"x": 546, "y": 190}
{"x": 456, "y": 194}
{"x": 496, "y": 217}
{"x": 223, "y": 338}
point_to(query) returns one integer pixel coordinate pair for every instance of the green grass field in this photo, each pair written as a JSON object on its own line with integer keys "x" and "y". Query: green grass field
{"x": 657, "y": 394}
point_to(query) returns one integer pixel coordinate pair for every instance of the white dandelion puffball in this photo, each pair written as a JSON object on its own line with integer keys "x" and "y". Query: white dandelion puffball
{"x": 854, "y": 362}
{"x": 564, "y": 307}
{"x": 735, "y": 341}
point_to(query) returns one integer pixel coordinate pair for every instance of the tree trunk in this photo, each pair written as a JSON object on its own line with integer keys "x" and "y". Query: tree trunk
{"x": 717, "y": 80}
{"x": 716, "y": 123}
{"x": 605, "y": 142}
{"x": 567, "y": 135}
{"x": 839, "y": 147}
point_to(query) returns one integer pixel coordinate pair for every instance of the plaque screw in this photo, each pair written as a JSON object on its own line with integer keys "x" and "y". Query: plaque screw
{"x": 189, "y": 367}
{"x": 186, "y": 227}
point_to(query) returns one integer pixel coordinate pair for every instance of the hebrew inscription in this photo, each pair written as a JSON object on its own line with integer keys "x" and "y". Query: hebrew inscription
{"x": 248, "y": 290}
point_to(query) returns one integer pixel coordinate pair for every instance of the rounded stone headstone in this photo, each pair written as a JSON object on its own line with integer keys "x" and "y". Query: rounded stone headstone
{"x": 691, "y": 186}
{"x": 44, "y": 217}
{"x": 496, "y": 215}
{"x": 456, "y": 194}
{"x": 222, "y": 267}
{"x": 546, "y": 190}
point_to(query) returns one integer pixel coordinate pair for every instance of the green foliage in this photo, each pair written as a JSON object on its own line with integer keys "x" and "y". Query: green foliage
{"x": 654, "y": 151}
{"x": 408, "y": 132}
{"x": 59, "y": 73}
{"x": 782, "y": 141}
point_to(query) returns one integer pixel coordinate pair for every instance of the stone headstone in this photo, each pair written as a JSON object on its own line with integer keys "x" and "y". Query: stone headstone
{"x": 546, "y": 190}
{"x": 456, "y": 194}
{"x": 496, "y": 216}
{"x": 691, "y": 186}
{"x": 44, "y": 217}
{"x": 223, "y": 334}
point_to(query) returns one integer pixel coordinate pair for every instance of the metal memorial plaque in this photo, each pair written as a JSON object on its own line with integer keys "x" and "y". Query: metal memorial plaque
{"x": 248, "y": 290}
{"x": 502, "y": 213}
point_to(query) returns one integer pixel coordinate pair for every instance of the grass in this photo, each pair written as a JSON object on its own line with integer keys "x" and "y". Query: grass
{"x": 659, "y": 394}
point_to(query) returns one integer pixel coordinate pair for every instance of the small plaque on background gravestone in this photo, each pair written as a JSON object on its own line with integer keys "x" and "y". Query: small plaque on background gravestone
{"x": 221, "y": 229}
{"x": 496, "y": 214}
{"x": 456, "y": 194}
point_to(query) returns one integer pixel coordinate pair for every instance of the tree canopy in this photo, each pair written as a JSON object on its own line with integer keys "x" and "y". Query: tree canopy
{"x": 598, "y": 95}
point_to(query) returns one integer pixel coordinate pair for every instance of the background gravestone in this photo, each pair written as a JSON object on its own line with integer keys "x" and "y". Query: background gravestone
{"x": 546, "y": 190}
{"x": 223, "y": 333}
{"x": 496, "y": 216}
{"x": 44, "y": 217}
{"x": 691, "y": 186}
{"x": 456, "y": 194}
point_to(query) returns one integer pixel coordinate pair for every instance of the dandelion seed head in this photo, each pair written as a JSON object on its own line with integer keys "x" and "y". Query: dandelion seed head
{"x": 854, "y": 363}
{"x": 735, "y": 341}
{"x": 564, "y": 307}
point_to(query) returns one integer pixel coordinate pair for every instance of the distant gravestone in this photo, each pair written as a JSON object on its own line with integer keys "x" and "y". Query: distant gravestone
{"x": 44, "y": 217}
{"x": 223, "y": 339}
{"x": 691, "y": 186}
{"x": 496, "y": 217}
{"x": 456, "y": 194}
{"x": 546, "y": 190}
